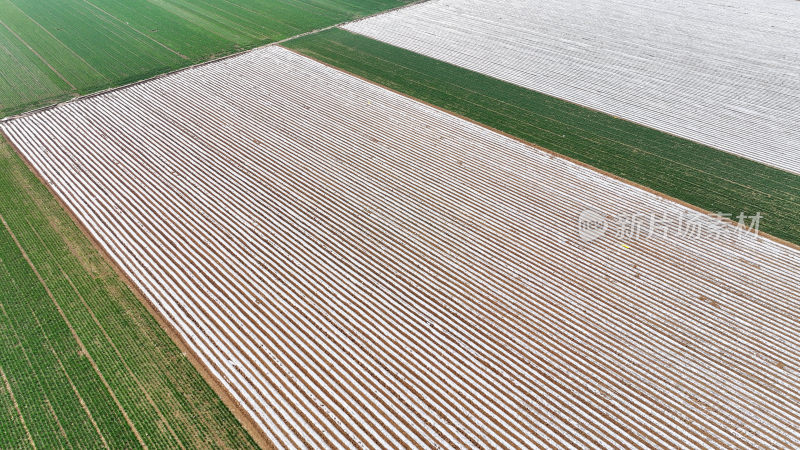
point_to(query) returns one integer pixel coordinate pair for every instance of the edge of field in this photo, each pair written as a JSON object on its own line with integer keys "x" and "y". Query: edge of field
{"x": 174, "y": 336}
{"x": 787, "y": 232}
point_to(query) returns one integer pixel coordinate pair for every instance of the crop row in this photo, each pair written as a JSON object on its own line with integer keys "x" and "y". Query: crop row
{"x": 358, "y": 268}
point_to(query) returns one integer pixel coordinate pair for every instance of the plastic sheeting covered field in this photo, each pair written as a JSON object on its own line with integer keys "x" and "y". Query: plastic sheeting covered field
{"x": 722, "y": 73}
{"x": 360, "y": 269}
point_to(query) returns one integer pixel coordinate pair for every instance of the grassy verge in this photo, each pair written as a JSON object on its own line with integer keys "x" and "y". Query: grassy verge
{"x": 691, "y": 172}
{"x": 82, "y": 361}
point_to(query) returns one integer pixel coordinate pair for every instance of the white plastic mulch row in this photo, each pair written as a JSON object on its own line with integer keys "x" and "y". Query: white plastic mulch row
{"x": 363, "y": 271}
{"x": 725, "y": 73}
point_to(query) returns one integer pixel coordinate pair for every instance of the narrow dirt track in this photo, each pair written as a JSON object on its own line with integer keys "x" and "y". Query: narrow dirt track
{"x": 360, "y": 270}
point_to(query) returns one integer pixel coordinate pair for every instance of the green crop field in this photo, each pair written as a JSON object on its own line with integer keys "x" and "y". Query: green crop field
{"x": 702, "y": 176}
{"x": 82, "y": 362}
{"x": 51, "y": 50}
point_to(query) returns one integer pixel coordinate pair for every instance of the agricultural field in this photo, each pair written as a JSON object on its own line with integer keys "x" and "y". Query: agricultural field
{"x": 83, "y": 364}
{"x": 721, "y": 73}
{"x": 53, "y": 50}
{"x": 694, "y": 173}
{"x": 359, "y": 269}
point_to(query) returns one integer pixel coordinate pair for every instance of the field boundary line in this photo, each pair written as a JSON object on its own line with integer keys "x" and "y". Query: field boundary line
{"x": 201, "y": 64}
{"x": 551, "y": 152}
{"x": 16, "y": 406}
{"x": 238, "y": 411}
{"x": 74, "y": 333}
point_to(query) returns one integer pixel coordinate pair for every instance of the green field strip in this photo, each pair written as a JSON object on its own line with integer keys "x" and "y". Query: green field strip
{"x": 99, "y": 44}
{"x": 696, "y": 174}
{"x": 122, "y": 373}
{"x": 90, "y": 334}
